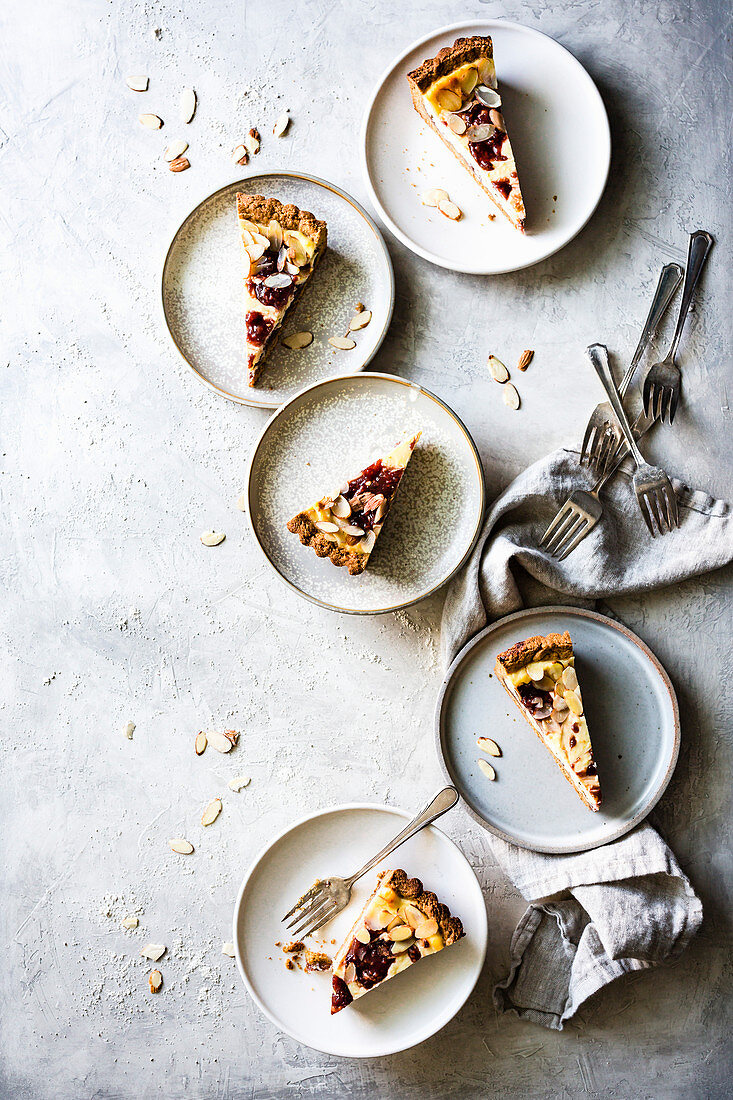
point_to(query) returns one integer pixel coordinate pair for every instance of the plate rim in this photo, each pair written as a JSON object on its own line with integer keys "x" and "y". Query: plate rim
{"x": 425, "y": 253}
{"x": 621, "y": 628}
{"x": 366, "y": 376}
{"x": 253, "y": 402}
{"x": 481, "y": 937}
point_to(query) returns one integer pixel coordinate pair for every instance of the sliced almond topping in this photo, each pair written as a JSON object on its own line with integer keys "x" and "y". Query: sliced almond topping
{"x": 343, "y": 343}
{"x": 428, "y": 928}
{"x": 298, "y": 340}
{"x": 326, "y": 526}
{"x": 400, "y": 946}
{"x": 573, "y": 701}
{"x": 350, "y": 974}
{"x": 362, "y": 935}
{"x": 524, "y": 360}
{"x": 487, "y": 769}
{"x": 240, "y": 155}
{"x": 130, "y": 922}
{"x": 570, "y": 677}
{"x": 401, "y": 932}
{"x": 239, "y": 783}
{"x": 448, "y": 100}
{"x": 511, "y": 397}
{"x": 220, "y": 741}
{"x": 496, "y": 120}
{"x": 341, "y": 507}
{"x": 212, "y": 538}
{"x": 187, "y": 104}
{"x": 469, "y": 81}
{"x": 352, "y": 529}
{"x": 181, "y": 846}
{"x": 211, "y": 812}
{"x": 450, "y": 210}
{"x": 281, "y": 124}
{"x": 137, "y": 83}
{"x": 255, "y": 250}
{"x": 457, "y": 124}
{"x": 360, "y": 320}
{"x": 228, "y": 949}
{"x": 487, "y": 745}
{"x": 275, "y": 235}
{"x": 175, "y": 149}
{"x": 394, "y": 922}
{"x": 535, "y": 671}
{"x": 200, "y": 743}
{"x": 242, "y": 502}
{"x": 487, "y": 96}
{"x": 367, "y": 543}
{"x": 413, "y": 916}
{"x": 129, "y": 730}
{"x": 151, "y": 121}
{"x": 497, "y": 370}
{"x": 252, "y": 144}
{"x": 434, "y": 196}
{"x": 155, "y": 981}
{"x": 153, "y": 951}
{"x": 180, "y": 164}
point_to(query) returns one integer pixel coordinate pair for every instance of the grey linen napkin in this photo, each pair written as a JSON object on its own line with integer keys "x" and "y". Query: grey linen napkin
{"x": 627, "y": 905}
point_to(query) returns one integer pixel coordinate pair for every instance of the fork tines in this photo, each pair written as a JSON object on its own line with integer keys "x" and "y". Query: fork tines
{"x": 658, "y": 506}
{"x": 309, "y": 918}
{"x": 660, "y": 402}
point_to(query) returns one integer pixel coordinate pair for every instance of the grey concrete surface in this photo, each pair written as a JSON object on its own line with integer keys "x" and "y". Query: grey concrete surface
{"x": 115, "y": 458}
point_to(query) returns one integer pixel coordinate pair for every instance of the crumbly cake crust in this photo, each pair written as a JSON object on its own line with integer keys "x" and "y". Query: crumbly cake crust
{"x": 451, "y": 927}
{"x": 257, "y": 208}
{"x": 302, "y": 526}
{"x": 550, "y": 647}
{"x": 449, "y": 58}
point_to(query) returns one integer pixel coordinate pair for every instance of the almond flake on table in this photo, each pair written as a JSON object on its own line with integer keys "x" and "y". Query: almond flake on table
{"x": 298, "y": 340}
{"x": 175, "y": 149}
{"x": 181, "y": 846}
{"x": 200, "y": 743}
{"x": 187, "y": 104}
{"x": 281, "y": 124}
{"x": 497, "y": 370}
{"x": 240, "y": 155}
{"x": 511, "y": 397}
{"x": 153, "y": 951}
{"x": 130, "y": 922}
{"x": 153, "y": 122}
{"x": 342, "y": 343}
{"x": 487, "y": 769}
{"x": 222, "y": 742}
{"x": 129, "y": 730}
{"x": 239, "y": 783}
{"x": 525, "y": 359}
{"x": 179, "y": 164}
{"x": 155, "y": 981}
{"x": 434, "y": 196}
{"x": 242, "y": 502}
{"x": 450, "y": 210}
{"x": 228, "y": 949}
{"x": 360, "y": 320}
{"x": 212, "y": 538}
{"x": 137, "y": 83}
{"x": 252, "y": 142}
{"x": 211, "y": 812}
{"x": 487, "y": 745}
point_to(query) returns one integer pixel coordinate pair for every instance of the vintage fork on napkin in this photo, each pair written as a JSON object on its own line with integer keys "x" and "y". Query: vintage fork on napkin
{"x": 329, "y": 896}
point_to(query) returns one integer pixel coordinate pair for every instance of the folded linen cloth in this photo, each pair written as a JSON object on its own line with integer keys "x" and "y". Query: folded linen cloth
{"x": 627, "y": 905}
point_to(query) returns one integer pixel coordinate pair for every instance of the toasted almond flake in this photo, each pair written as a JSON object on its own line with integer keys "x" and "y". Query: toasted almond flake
{"x": 279, "y": 281}
{"x": 350, "y": 974}
{"x": 341, "y": 507}
{"x": 570, "y": 677}
{"x": 535, "y": 671}
{"x": 487, "y": 745}
{"x": 497, "y": 370}
{"x": 367, "y": 543}
{"x": 360, "y": 320}
{"x": 573, "y": 701}
{"x": 255, "y": 250}
{"x": 400, "y": 946}
{"x": 525, "y": 359}
{"x": 511, "y": 397}
{"x": 153, "y": 951}
{"x": 427, "y": 929}
{"x": 275, "y": 234}
{"x": 252, "y": 142}
{"x": 457, "y": 124}
{"x": 240, "y": 155}
{"x": 228, "y": 949}
{"x": 137, "y": 83}
{"x": 212, "y": 538}
{"x": 211, "y": 812}
{"x": 343, "y": 343}
{"x": 450, "y": 210}
{"x": 242, "y": 502}
{"x": 239, "y": 783}
{"x": 326, "y": 526}
{"x": 281, "y": 124}
{"x": 362, "y": 935}
{"x": 180, "y": 164}
{"x": 220, "y": 741}
{"x": 130, "y": 922}
{"x": 155, "y": 981}
{"x": 129, "y": 730}
{"x": 449, "y": 101}
{"x": 469, "y": 81}
{"x": 487, "y": 769}
{"x": 487, "y": 96}
{"x": 181, "y": 846}
{"x": 151, "y": 121}
{"x": 353, "y": 529}
{"x": 175, "y": 149}
{"x": 187, "y": 104}
{"x": 434, "y": 196}
{"x": 401, "y": 932}
{"x": 200, "y": 743}
{"x": 298, "y": 340}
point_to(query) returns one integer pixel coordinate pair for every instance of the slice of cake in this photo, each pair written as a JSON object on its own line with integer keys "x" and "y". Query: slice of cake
{"x": 282, "y": 246}
{"x": 540, "y": 676}
{"x": 400, "y": 924}
{"x": 345, "y": 526}
{"x": 456, "y": 93}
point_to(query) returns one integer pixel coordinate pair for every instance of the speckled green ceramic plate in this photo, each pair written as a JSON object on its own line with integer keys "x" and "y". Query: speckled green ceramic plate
{"x": 632, "y": 716}
{"x": 328, "y": 433}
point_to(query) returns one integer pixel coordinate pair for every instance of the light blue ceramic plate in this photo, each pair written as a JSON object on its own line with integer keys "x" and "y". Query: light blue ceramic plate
{"x": 632, "y": 715}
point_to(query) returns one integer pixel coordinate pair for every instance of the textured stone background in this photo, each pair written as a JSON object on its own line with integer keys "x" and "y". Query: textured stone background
{"x": 114, "y": 458}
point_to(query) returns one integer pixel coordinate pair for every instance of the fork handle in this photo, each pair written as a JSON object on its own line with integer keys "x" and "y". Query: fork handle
{"x": 598, "y": 355}
{"x": 697, "y": 253}
{"x": 445, "y": 800}
{"x": 669, "y": 279}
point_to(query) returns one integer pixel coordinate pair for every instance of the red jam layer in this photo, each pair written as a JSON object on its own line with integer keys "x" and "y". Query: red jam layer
{"x": 258, "y": 328}
{"x": 485, "y": 153}
{"x": 277, "y": 297}
{"x": 377, "y": 479}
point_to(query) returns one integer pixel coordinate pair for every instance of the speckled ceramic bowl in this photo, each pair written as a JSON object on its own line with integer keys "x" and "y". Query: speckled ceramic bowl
{"x": 203, "y": 291}
{"x": 328, "y": 433}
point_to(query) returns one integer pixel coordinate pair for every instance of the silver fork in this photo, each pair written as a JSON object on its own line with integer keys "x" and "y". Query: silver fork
{"x": 602, "y": 435}
{"x": 653, "y": 489}
{"x": 329, "y": 896}
{"x": 662, "y": 383}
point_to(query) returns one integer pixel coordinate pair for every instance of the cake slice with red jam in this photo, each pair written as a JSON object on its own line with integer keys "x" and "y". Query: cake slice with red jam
{"x": 539, "y": 674}
{"x": 282, "y": 246}
{"x": 400, "y": 924}
{"x": 456, "y": 93}
{"x": 344, "y": 527}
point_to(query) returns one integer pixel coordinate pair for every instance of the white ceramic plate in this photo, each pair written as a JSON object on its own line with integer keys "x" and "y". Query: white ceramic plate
{"x": 203, "y": 289}
{"x": 330, "y": 432}
{"x": 559, "y": 132}
{"x": 632, "y": 716}
{"x": 410, "y": 1007}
